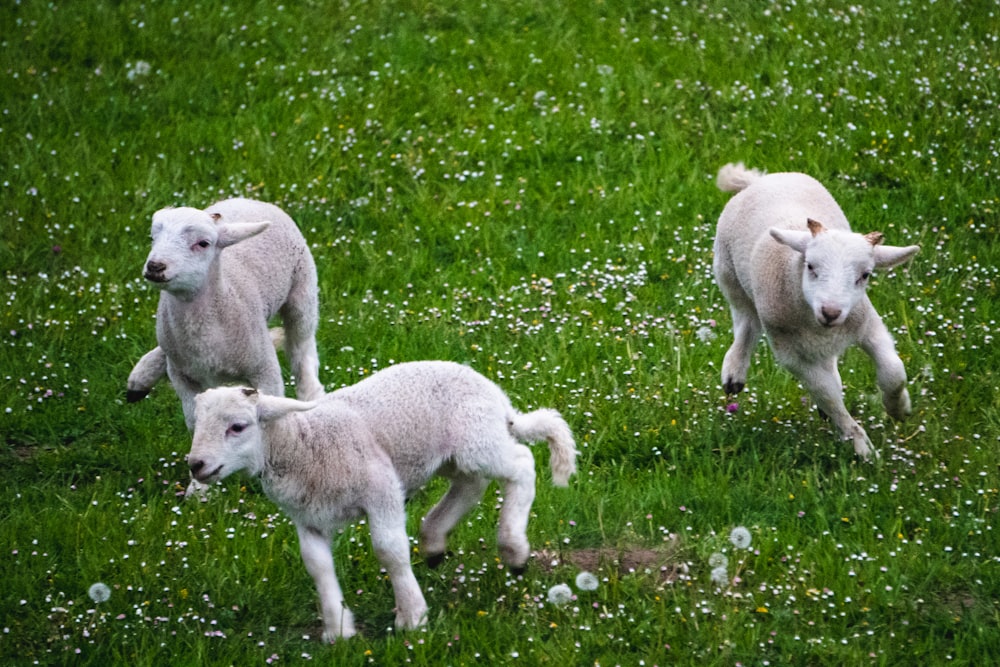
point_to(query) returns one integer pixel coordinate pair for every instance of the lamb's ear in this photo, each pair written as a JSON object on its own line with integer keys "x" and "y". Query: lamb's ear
{"x": 815, "y": 226}
{"x": 796, "y": 239}
{"x": 236, "y": 232}
{"x": 272, "y": 407}
{"x": 888, "y": 255}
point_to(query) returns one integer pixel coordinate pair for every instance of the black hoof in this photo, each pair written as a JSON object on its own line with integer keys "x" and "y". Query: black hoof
{"x": 733, "y": 388}
{"x": 517, "y": 570}
{"x": 434, "y": 560}
{"x": 823, "y": 415}
{"x": 135, "y": 395}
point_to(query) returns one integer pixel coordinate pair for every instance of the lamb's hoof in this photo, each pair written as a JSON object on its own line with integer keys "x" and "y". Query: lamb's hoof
{"x": 434, "y": 560}
{"x": 822, "y": 415}
{"x": 135, "y": 395}
{"x": 733, "y": 388}
{"x": 517, "y": 570}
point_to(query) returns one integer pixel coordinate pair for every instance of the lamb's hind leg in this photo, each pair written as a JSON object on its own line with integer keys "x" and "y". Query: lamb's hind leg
{"x": 300, "y": 344}
{"x": 465, "y": 492}
{"x": 338, "y": 621}
{"x": 518, "y": 478}
{"x": 746, "y": 334}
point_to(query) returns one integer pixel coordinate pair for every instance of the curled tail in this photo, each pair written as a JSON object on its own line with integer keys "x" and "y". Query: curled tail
{"x": 736, "y": 176}
{"x": 548, "y": 425}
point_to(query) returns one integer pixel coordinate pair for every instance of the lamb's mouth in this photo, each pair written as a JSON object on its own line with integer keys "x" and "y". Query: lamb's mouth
{"x": 156, "y": 277}
{"x": 205, "y": 478}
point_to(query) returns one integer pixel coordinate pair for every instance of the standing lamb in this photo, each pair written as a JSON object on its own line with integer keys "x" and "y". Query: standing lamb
{"x": 223, "y": 273}
{"x": 789, "y": 265}
{"x": 363, "y": 449}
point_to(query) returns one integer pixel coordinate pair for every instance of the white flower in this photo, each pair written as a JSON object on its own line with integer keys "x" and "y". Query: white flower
{"x": 560, "y": 594}
{"x": 705, "y": 334}
{"x": 740, "y": 537}
{"x": 585, "y": 581}
{"x": 720, "y": 576}
{"x": 140, "y": 69}
{"x": 99, "y": 592}
{"x": 718, "y": 560}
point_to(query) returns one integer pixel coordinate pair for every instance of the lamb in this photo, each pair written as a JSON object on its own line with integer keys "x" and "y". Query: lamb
{"x": 789, "y": 265}
{"x": 223, "y": 273}
{"x": 361, "y": 450}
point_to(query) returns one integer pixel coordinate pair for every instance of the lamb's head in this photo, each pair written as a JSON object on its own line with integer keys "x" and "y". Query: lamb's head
{"x": 228, "y": 430}
{"x": 837, "y": 265}
{"x": 186, "y": 241}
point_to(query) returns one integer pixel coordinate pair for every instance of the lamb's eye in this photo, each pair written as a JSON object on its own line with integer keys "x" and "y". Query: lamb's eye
{"x": 236, "y": 428}
{"x": 203, "y": 243}
{"x": 864, "y": 277}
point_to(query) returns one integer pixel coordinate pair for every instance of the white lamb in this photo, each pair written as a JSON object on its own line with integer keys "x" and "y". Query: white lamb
{"x": 223, "y": 273}
{"x": 789, "y": 265}
{"x": 363, "y": 449}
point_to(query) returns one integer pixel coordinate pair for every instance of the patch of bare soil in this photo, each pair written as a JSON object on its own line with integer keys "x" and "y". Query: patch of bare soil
{"x": 661, "y": 563}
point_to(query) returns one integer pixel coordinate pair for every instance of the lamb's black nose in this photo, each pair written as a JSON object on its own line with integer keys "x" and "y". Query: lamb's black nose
{"x": 155, "y": 267}
{"x": 195, "y": 465}
{"x": 830, "y": 315}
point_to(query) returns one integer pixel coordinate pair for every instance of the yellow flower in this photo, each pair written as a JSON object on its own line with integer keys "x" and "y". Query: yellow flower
{"x": 762, "y": 610}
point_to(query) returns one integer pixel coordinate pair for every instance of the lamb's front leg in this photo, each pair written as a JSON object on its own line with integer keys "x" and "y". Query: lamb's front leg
{"x": 823, "y": 381}
{"x": 146, "y": 373}
{"x": 889, "y": 369}
{"x": 465, "y": 492}
{"x": 338, "y": 621}
{"x": 392, "y": 548}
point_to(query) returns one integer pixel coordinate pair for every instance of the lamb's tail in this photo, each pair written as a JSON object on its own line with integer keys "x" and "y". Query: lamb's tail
{"x": 548, "y": 425}
{"x": 736, "y": 177}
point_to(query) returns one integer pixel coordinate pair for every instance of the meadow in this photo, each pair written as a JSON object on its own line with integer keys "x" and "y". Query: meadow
{"x": 526, "y": 187}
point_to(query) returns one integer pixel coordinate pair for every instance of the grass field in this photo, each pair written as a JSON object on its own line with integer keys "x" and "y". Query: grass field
{"x": 526, "y": 187}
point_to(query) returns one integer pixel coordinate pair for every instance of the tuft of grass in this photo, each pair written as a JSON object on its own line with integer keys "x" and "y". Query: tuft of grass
{"x": 527, "y": 188}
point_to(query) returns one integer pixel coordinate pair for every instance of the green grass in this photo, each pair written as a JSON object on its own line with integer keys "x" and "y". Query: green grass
{"x": 526, "y": 187}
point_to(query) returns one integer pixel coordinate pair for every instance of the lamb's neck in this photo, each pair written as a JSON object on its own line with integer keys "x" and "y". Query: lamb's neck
{"x": 283, "y": 447}
{"x": 214, "y": 296}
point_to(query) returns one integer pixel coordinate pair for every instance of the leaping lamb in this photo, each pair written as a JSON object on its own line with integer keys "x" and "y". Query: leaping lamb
{"x": 222, "y": 274}
{"x": 789, "y": 265}
{"x": 363, "y": 449}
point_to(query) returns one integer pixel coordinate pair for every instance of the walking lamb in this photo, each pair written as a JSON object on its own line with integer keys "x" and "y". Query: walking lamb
{"x": 789, "y": 265}
{"x": 361, "y": 450}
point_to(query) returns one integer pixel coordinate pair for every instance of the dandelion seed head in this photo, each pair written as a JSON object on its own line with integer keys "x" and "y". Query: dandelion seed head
{"x": 560, "y": 594}
{"x": 740, "y": 537}
{"x": 718, "y": 560}
{"x": 99, "y": 592}
{"x": 585, "y": 581}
